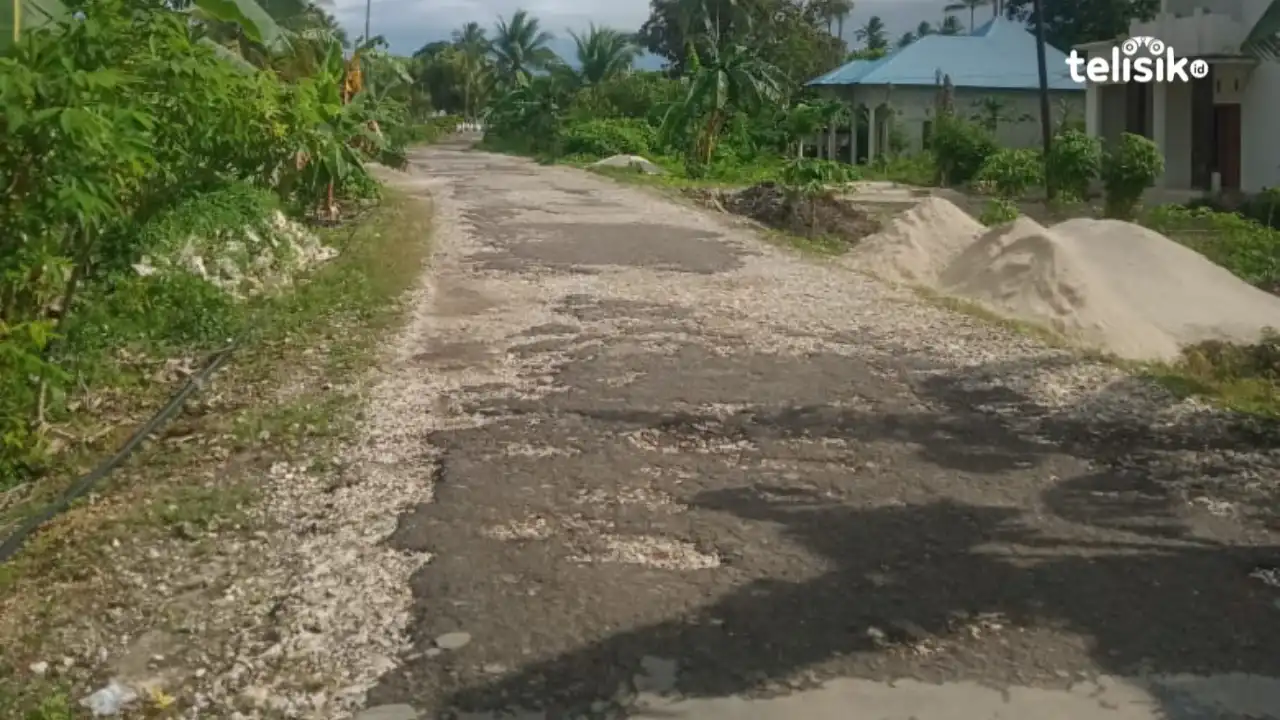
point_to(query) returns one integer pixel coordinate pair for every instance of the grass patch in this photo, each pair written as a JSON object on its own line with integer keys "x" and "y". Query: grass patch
{"x": 1245, "y": 378}
{"x": 287, "y": 394}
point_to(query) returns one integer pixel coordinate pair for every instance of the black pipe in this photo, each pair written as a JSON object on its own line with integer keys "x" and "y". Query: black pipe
{"x": 18, "y": 538}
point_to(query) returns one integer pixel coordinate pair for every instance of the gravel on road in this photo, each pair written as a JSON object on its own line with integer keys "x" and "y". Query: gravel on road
{"x": 665, "y": 456}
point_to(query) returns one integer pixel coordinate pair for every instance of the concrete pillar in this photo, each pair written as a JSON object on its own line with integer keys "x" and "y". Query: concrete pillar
{"x": 1160, "y": 124}
{"x": 853, "y": 134}
{"x": 872, "y": 140}
{"x": 1093, "y": 109}
{"x": 831, "y": 141}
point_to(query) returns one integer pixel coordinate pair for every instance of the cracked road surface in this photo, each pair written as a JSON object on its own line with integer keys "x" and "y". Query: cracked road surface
{"x": 682, "y": 473}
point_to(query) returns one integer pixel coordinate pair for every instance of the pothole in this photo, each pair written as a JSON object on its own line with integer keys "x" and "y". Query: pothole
{"x": 531, "y": 528}
{"x": 650, "y": 551}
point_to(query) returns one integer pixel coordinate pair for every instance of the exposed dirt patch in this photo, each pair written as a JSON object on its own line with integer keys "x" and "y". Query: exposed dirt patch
{"x": 820, "y": 216}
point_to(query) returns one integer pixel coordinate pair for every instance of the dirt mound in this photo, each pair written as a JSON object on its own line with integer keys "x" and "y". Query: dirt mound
{"x": 917, "y": 245}
{"x": 1119, "y": 286}
{"x": 820, "y": 216}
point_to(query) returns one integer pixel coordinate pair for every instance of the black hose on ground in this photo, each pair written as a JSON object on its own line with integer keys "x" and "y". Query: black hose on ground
{"x": 18, "y": 538}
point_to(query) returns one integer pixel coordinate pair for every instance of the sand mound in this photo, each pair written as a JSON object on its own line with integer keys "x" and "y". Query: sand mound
{"x": 1115, "y": 285}
{"x": 917, "y": 245}
{"x": 633, "y": 162}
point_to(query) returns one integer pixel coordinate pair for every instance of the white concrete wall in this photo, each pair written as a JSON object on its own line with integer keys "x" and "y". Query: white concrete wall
{"x": 1113, "y": 112}
{"x": 915, "y": 106}
{"x": 1259, "y": 117}
{"x": 1259, "y": 120}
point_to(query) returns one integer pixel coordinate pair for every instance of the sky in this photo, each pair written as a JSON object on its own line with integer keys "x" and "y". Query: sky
{"x": 410, "y": 24}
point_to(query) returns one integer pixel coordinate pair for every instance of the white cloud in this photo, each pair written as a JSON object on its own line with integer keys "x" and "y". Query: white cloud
{"x": 409, "y": 24}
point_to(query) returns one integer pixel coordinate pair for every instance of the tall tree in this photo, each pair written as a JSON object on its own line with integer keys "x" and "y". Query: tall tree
{"x": 970, "y": 5}
{"x": 432, "y": 49}
{"x": 1071, "y": 22}
{"x": 924, "y": 28}
{"x": 950, "y": 26}
{"x": 788, "y": 34}
{"x": 603, "y": 53}
{"x": 472, "y": 44}
{"x": 841, "y": 9}
{"x": 520, "y": 46}
{"x": 872, "y": 35}
{"x": 471, "y": 38}
{"x": 674, "y": 25}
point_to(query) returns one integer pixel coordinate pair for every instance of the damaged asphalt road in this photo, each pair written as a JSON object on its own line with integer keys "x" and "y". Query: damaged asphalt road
{"x": 679, "y": 472}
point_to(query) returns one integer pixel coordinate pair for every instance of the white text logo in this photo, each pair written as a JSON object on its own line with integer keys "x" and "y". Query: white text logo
{"x": 1157, "y": 63}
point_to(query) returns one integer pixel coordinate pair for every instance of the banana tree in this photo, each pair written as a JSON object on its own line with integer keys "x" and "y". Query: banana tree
{"x": 728, "y": 80}
{"x": 245, "y": 17}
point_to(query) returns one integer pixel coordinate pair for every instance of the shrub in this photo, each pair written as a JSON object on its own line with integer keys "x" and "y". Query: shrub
{"x": 960, "y": 148}
{"x": 808, "y": 179}
{"x": 1011, "y": 173}
{"x": 603, "y": 138}
{"x": 998, "y": 211}
{"x": 1074, "y": 160}
{"x": 1127, "y": 171}
{"x": 431, "y": 129}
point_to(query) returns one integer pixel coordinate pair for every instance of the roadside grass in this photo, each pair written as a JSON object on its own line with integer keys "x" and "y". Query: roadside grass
{"x": 289, "y": 393}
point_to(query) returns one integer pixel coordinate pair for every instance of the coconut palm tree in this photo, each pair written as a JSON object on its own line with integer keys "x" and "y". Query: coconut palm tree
{"x": 603, "y": 53}
{"x": 950, "y": 26}
{"x": 840, "y": 10}
{"x": 873, "y": 34}
{"x": 471, "y": 39}
{"x": 472, "y": 47}
{"x": 520, "y": 46}
{"x": 970, "y": 5}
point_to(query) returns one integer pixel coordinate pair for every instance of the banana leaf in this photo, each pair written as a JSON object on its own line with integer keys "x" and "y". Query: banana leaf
{"x": 255, "y": 22}
{"x": 19, "y": 16}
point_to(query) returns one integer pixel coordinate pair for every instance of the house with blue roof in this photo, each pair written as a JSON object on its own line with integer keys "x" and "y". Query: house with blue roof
{"x": 994, "y": 74}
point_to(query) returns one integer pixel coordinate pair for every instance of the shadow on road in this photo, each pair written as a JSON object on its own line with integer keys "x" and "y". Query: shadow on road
{"x": 976, "y": 583}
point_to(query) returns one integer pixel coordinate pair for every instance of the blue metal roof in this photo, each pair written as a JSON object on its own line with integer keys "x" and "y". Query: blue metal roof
{"x": 1000, "y": 55}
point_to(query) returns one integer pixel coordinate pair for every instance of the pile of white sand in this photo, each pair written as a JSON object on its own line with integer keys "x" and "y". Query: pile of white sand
{"x": 916, "y": 246}
{"x": 633, "y": 162}
{"x": 1114, "y": 285}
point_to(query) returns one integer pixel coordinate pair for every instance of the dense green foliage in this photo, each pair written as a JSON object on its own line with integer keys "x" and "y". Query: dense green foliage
{"x": 1011, "y": 173}
{"x": 1074, "y": 162}
{"x": 1128, "y": 170}
{"x": 1245, "y": 247}
{"x": 128, "y": 130}
{"x": 960, "y": 148}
